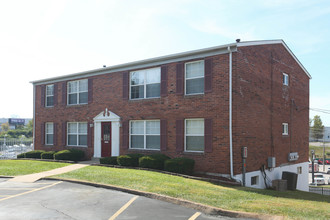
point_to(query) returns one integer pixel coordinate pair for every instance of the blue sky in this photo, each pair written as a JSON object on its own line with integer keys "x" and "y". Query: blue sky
{"x": 41, "y": 39}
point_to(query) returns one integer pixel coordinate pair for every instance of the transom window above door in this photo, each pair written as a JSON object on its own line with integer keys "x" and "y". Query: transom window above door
{"x": 145, "y": 83}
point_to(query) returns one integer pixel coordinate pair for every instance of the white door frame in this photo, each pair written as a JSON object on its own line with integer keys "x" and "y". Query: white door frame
{"x": 107, "y": 116}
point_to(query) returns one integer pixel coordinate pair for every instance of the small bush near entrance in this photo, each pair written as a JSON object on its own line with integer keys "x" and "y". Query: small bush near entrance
{"x": 48, "y": 155}
{"x": 153, "y": 161}
{"x": 34, "y": 154}
{"x": 70, "y": 154}
{"x": 22, "y": 155}
{"x": 109, "y": 160}
{"x": 129, "y": 160}
{"x": 180, "y": 165}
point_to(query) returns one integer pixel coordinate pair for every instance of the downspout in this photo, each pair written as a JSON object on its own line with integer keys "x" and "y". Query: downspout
{"x": 34, "y": 114}
{"x": 230, "y": 115}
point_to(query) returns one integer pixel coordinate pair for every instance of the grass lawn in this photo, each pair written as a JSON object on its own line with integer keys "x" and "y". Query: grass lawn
{"x": 292, "y": 204}
{"x": 22, "y": 167}
{"x": 319, "y": 151}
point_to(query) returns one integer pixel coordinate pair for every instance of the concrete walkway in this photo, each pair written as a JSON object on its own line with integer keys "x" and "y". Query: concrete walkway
{"x": 30, "y": 178}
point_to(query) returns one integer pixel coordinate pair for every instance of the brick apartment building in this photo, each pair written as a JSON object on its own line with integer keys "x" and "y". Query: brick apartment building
{"x": 205, "y": 104}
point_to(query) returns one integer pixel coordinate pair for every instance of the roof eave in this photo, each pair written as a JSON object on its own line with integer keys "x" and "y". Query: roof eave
{"x": 143, "y": 63}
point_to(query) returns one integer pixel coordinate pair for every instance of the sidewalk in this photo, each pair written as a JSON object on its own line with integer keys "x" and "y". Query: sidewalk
{"x": 30, "y": 178}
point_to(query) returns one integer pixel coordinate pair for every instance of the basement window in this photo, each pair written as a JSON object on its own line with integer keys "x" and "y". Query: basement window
{"x": 254, "y": 180}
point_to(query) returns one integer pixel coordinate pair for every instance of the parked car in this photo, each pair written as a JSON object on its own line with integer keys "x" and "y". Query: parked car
{"x": 328, "y": 170}
{"x": 320, "y": 160}
{"x": 319, "y": 179}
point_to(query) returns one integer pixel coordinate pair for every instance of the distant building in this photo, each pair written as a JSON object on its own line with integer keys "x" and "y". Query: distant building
{"x": 326, "y": 135}
{"x": 14, "y": 122}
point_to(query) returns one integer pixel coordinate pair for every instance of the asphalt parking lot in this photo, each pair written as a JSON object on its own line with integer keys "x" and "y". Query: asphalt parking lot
{"x": 62, "y": 200}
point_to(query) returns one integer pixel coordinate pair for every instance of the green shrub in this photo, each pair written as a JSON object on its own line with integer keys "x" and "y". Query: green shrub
{"x": 48, "y": 155}
{"x": 153, "y": 161}
{"x": 22, "y": 155}
{"x": 70, "y": 154}
{"x": 34, "y": 154}
{"x": 109, "y": 160}
{"x": 129, "y": 160}
{"x": 180, "y": 165}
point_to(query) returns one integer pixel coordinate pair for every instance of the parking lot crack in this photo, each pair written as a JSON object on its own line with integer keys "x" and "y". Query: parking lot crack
{"x": 56, "y": 210}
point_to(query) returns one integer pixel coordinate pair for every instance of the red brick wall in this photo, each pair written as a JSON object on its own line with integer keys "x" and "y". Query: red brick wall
{"x": 107, "y": 93}
{"x": 261, "y": 105}
{"x": 251, "y": 109}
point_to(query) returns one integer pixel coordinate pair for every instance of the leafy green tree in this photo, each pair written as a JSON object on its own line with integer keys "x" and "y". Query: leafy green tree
{"x": 317, "y": 128}
{"x": 27, "y": 131}
{"x": 5, "y": 127}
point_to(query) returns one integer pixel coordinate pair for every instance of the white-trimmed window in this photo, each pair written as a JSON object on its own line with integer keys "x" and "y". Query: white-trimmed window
{"x": 285, "y": 129}
{"x": 194, "y": 135}
{"x": 77, "y": 134}
{"x": 78, "y": 92}
{"x": 145, "y": 134}
{"x": 285, "y": 79}
{"x": 49, "y": 133}
{"x": 50, "y": 95}
{"x": 254, "y": 180}
{"x": 194, "y": 77}
{"x": 145, "y": 83}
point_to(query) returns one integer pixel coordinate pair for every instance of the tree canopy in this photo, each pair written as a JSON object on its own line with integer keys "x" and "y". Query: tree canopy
{"x": 317, "y": 128}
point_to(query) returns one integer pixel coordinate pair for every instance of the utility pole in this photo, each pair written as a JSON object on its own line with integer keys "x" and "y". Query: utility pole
{"x": 313, "y": 158}
{"x": 323, "y": 153}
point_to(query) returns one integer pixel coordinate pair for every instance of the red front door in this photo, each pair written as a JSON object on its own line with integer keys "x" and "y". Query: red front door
{"x": 106, "y": 139}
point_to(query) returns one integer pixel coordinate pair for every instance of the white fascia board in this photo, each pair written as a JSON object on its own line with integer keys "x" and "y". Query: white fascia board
{"x": 265, "y": 42}
{"x": 195, "y": 54}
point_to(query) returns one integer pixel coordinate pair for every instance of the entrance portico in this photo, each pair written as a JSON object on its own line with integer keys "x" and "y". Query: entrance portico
{"x": 106, "y": 134}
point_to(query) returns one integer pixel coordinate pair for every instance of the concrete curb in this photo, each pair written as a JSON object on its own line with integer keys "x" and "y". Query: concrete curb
{"x": 216, "y": 181}
{"x": 8, "y": 177}
{"x": 210, "y": 210}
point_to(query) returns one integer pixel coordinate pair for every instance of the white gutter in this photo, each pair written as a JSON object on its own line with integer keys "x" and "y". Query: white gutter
{"x": 34, "y": 115}
{"x": 230, "y": 114}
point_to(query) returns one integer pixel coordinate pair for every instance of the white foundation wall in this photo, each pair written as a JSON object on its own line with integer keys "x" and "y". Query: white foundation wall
{"x": 276, "y": 173}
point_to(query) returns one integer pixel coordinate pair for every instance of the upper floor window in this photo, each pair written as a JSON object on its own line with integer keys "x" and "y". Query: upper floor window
{"x": 78, "y": 92}
{"x": 49, "y": 132}
{"x": 194, "y": 77}
{"x": 194, "y": 135}
{"x": 145, "y": 134}
{"x": 145, "y": 83}
{"x": 77, "y": 134}
{"x": 285, "y": 79}
{"x": 49, "y": 95}
{"x": 285, "y": 129}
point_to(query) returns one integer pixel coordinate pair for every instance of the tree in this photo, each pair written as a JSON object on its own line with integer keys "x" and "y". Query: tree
{"x": 317, "y": 129}
{"x": 5, "y": 127}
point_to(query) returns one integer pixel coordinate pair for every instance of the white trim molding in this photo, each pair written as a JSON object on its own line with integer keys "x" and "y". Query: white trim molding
{"x": 107, "y": 116}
